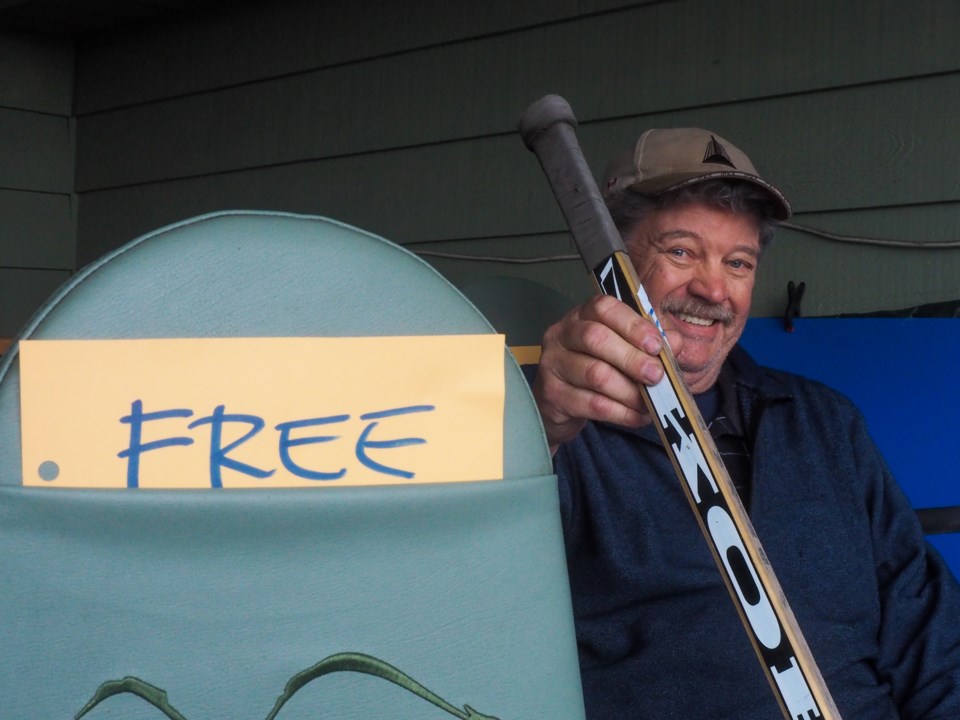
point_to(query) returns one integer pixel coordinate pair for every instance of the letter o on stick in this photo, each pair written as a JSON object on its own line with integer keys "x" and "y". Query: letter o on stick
{"x": 743, "y": 577}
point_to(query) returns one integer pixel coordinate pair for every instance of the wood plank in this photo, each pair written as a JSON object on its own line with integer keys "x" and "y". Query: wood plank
{"x": 479, "y": 88}
{"x": 41, "y": 157}
{"x": 856, "y": 278}
{"x": 549, "y": 261}
{"x": 247, "y": 42}
{"x": 526, "y": 354}
{"x": 887, "y": 145}
{"x": 375, "y": 193}
{"x": 37, "y": 230}
{"x": 22, "y": 292}
{"x": 871, "y": 146}
{"x": 727, "y": 48}
{"x": 36, "y": 72}
{"x": 518, "y": 307}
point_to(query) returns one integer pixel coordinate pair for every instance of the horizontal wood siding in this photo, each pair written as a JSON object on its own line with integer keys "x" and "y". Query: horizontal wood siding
{"x": 41, "y": 159}
{"x": 477, "y": 88}
{"x": 402, "y": 121}
{"x": 36, "y": 73}
{"x": 37, "y": 210}
{"x": 37, "y": 230}
{"x": 22, "y": 292}
{"x": 253, "y": 40}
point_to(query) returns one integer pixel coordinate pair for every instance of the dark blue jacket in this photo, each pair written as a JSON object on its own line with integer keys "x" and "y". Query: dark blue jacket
{"x": 658, "y": 634}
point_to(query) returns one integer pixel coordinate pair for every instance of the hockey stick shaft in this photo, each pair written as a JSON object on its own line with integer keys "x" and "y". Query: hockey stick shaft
{"x": 548, "y": 128}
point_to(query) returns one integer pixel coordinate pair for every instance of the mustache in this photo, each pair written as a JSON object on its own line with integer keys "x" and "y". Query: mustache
{"x": 697, "y": 308}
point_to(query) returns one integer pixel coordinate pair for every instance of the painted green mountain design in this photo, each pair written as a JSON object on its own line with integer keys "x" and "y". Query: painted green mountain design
{"x": 341, "y": 662}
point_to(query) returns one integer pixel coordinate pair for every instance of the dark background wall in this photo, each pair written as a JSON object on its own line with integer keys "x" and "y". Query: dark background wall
{"x": 400, "y": 118}
{"x": 37, "y": 147}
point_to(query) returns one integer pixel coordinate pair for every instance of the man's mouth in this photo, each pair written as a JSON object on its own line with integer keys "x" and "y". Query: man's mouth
{"x": 695, "y": 320}
{"x": 695, "y": 312}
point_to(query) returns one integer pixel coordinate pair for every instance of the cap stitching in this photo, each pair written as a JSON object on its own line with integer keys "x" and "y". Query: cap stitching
{"x": 638, "y": 159}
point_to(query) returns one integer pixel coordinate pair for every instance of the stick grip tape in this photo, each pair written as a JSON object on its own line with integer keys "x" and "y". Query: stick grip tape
{"x": 548, "y": 129}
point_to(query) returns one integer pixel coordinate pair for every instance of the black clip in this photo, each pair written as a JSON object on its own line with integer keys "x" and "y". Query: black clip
{"x": 794, "y": 296}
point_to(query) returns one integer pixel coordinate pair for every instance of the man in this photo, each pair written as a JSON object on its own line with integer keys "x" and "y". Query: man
{"x": 658, "y": 635}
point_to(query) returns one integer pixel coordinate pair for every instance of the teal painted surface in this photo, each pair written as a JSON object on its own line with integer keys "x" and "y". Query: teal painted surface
{"x": 220, "y": 598}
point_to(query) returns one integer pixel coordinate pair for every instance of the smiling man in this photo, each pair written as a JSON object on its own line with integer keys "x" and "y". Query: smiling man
{"x": 657, "y": 634}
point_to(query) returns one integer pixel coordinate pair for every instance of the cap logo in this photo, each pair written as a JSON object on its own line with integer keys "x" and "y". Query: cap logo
{"x": 717, "y": 154}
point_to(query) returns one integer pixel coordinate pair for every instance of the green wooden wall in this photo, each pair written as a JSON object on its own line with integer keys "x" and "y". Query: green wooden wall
{"x": 37, "y": 210}
{"x": 400, "y": 118}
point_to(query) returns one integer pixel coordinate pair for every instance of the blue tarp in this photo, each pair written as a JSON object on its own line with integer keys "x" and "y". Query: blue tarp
{"x": 902, "y": 373}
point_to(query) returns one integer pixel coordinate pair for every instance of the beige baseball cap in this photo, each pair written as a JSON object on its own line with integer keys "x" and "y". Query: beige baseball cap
{"x": 667, "y": 159}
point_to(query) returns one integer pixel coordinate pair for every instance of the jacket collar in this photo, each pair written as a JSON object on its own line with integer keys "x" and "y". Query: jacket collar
{"x": 745, "y": 389}
{"x": 756, "y": 388}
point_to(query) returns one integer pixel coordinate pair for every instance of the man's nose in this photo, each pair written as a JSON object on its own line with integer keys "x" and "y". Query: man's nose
{"x": 710, "y": 284}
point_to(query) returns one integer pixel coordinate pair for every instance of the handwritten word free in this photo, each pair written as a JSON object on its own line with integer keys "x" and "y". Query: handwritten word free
{"x": 370, "y": 447}
{"x": 262, "y": 412}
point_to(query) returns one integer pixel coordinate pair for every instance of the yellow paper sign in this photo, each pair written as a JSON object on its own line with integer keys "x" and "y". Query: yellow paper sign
{"x": 261, "y": 412}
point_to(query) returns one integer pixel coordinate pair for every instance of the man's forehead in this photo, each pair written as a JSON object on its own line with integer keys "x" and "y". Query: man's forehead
{"x": 704, "y": 223}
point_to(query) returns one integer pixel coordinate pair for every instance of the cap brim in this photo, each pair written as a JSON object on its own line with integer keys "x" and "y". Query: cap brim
{"x": 665, "y": 183}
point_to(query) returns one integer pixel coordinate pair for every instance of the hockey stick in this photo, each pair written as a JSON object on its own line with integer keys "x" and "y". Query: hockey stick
{"x": 548, "y": 130}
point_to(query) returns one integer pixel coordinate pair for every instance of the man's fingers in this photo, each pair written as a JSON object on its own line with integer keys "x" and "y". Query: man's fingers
{"x": 607, "y": 330}
{"x": 593, "y": 365}
{"x": 599, "y": 386}
{"x": 565, "y": 407}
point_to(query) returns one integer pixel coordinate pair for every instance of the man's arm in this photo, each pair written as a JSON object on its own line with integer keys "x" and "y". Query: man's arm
{"x": 919, "y": 634}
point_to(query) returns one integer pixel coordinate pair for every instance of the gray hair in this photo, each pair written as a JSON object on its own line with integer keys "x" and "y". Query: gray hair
{"x": 627, "y": 208}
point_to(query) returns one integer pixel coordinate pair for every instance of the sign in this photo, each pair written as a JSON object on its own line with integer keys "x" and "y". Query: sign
{"x": 261, "y": 412}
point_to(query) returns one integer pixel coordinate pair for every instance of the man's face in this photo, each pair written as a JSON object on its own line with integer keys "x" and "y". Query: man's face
{"x": 698, "y": 265}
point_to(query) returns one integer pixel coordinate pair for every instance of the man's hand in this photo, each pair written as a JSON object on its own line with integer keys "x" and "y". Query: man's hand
{"x": 592, "y": 364}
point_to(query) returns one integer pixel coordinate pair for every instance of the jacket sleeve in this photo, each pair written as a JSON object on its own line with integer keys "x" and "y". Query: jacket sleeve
{"x": 919, "y": 635}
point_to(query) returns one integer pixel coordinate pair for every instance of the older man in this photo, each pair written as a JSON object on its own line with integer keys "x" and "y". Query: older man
{"x": 658, "y": 636}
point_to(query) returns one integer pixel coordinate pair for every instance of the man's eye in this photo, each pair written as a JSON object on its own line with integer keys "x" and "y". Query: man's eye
{"x": 740, "y": 265}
